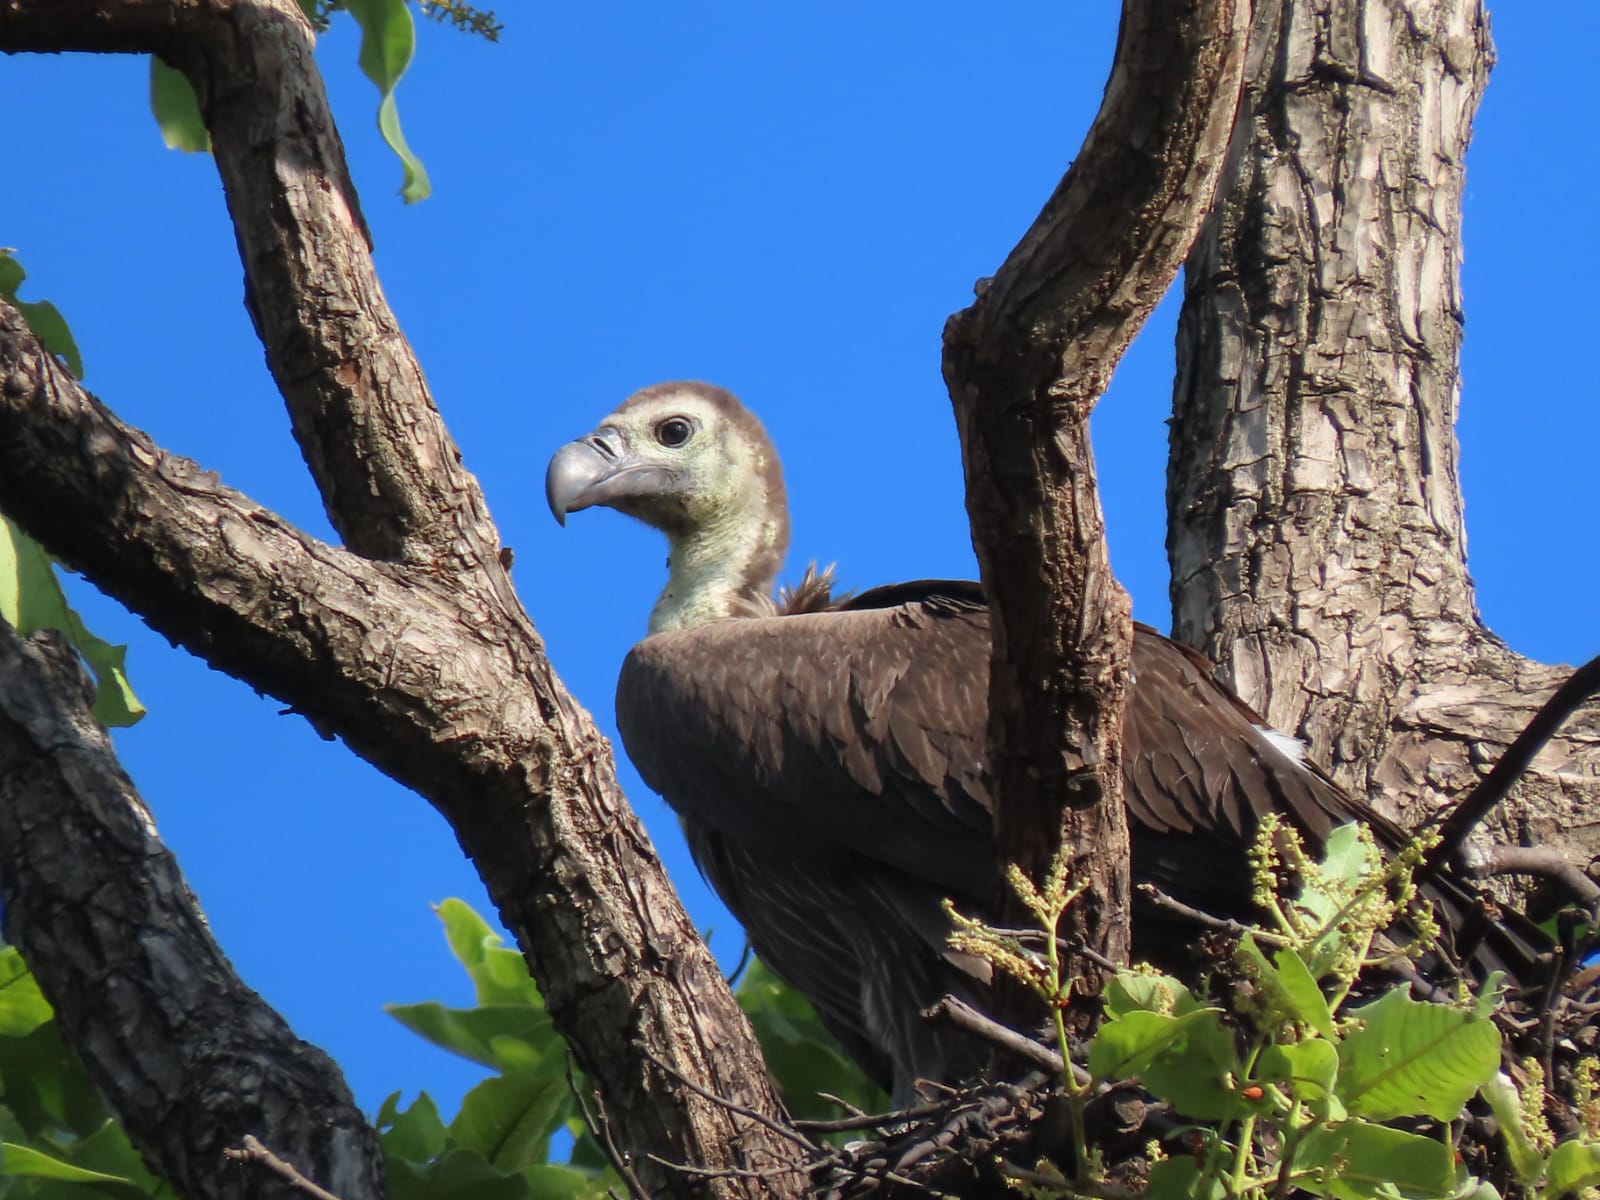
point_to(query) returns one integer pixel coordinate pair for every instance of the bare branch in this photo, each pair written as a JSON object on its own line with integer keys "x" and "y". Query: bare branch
{"x": 959, "y": 1013}
{"x": 103, "y": 915}
{"x": 1025, "y": 365}
{"x": 390, "y": 476}
{"x": 1567, "y": 699}
{"x": 251, "y": 1151}
{"x": 1544, "y": 861}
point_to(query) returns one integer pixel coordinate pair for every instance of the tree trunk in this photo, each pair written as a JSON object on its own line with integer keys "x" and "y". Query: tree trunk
{"x": 1315, "y": 519}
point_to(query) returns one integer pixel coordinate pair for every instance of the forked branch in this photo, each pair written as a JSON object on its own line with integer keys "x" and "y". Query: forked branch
{"x": 1025, "y": 365}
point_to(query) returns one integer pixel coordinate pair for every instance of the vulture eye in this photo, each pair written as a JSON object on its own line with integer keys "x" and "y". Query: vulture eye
{"x": 674, "y": 431}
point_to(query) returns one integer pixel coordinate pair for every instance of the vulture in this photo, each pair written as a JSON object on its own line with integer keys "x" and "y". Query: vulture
{"x": 826, "y": 756}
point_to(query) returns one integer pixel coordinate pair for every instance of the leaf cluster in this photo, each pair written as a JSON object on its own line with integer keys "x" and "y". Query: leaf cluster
{"x": 1290, "y": 1085}
{"x": 511, "y": 1128}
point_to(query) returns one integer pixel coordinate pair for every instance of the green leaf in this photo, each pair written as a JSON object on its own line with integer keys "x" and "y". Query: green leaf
{"x": 1179, "y": 1179}
{"x": 484, "y": 1034}
{"x": 176, "y": 110}
{"x": 16, "y": 1159}
{"x": 31, "y": 599}
{"x": 23, "y": 1007}
{"x": 46, "y": 1089}
{"x": 553, "y": 1182}
{"x": 1412, "y": 1058}
{"x": 1345, "y": 857}
{"x": 388, "y": 39}
{"x": 1131, "y": 991}
{"x": 50, "y": 327}
{"x": 1187, "y": 1060}
{"x": 1361, "y": 1161}
{"x": 1306, "y": 1069}
{"x": 459, "y": 1175}
{"x": 44, "y": 320}
{"x": 109, "y": 1151}
{"x": 509, "y": 1118}
{"x": 801, "y": 1053}
{"x": 1126, "y": 1045}
{"x": 1202, "y": 1079}
{"x": 1506, "y": 1104}
{"x": 417, "y": 1134}
{"x": 1574, "y": 1165}
{"x": 499, "y": 975}
{"x": 1303, "y": 998}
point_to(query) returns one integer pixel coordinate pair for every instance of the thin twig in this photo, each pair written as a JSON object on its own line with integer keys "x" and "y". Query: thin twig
{"x": 863, "y": 1120}
{"x": 1173, "y": 905}
{"x": 1553, "y": 713}
{"x": 962, "y": 1015}
{"x": 250, "y": 1150}
{"x": 729, "y": 1172}
{"x": 599, "y": 1128}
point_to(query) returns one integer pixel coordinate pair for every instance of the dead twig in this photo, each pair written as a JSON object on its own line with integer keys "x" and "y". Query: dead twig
{"x": 1173, "y": 905}
{"x": 599, "y": 1128}
{"x": 962, "y": 1015}
{"x": 862, "y": 1120}
{"x": 250, "y": 1150}
{"x": 1544, "y": 861}
{"x": 729, "y": 1172}
{"x": 1583, "y": 684}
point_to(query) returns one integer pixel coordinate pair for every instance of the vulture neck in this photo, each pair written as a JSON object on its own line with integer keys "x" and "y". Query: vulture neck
{"x": 720, "y": 570}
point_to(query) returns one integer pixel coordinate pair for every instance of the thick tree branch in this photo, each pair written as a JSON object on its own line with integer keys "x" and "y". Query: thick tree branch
{"x": 1025, "y": 365}
{"x": 189, "y": 1057}
{"x": 444, "y": 693}
{"x": 390, "y": 476}
{"x": 423, "y": 661}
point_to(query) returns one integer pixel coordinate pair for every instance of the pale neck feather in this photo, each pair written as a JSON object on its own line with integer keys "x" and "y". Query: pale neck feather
{"x": 719, "y": 571}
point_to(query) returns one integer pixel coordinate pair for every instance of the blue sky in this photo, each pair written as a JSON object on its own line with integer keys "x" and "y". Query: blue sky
{"x": 787, "y": 201}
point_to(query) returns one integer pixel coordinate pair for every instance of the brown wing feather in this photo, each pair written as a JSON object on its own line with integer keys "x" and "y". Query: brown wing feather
{"x": 823, "y": 735}
{"x": 854, "y": 740}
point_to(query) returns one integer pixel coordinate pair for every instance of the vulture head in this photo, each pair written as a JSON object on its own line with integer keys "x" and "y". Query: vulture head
{"x": 691, "y": 461}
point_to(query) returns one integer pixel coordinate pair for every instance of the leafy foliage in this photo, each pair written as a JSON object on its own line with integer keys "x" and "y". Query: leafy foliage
{"x": 1294, "y": 1086}
{"x": 512, "y": 1125}
{"x": 388, "y": 41}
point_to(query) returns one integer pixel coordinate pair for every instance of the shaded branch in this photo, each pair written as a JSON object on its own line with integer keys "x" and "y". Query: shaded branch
{"x": 962, "y": 1015}
{"x": 1547, "y": 862}
{"x": 105, "y": 919}
{"x": 252, "y": 1152}
{"x": 1025, "y": 365}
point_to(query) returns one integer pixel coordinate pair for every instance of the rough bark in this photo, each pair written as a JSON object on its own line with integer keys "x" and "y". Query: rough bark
{"x": 191, "y": 1058}
{"x": 1315, "y": 520}
{"x": 1025, "y": 365}
{"x": 408, "y": 642}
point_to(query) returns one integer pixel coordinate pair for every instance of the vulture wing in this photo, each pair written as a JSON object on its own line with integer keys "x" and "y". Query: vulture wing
{"x": 829, "y": 768}
{"x": 859, "y": 734}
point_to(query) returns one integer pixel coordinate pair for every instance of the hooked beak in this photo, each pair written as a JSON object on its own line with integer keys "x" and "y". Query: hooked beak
{"x": 600, "y": 469}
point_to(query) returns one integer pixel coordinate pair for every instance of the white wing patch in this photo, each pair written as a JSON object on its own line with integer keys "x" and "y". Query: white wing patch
{"x": 1286, "y": 744}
